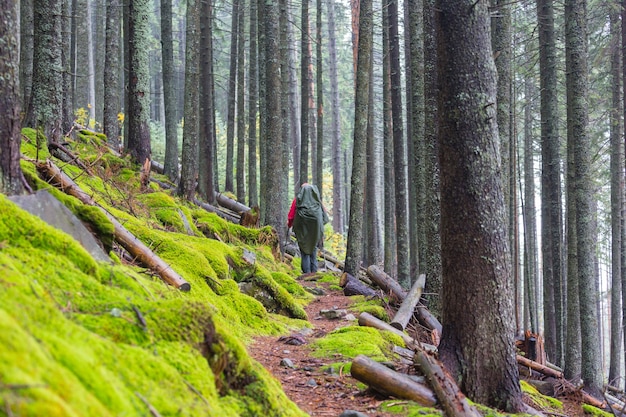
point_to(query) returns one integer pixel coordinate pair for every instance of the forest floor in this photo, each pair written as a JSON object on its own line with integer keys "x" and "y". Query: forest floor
{"x": 323, "y": 394}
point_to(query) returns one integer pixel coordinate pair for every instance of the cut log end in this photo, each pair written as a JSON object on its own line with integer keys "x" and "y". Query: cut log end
{"x": 185, "y": 287}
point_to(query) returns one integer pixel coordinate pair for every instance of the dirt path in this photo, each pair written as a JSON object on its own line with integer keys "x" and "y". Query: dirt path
{"x": 316, "y": 391}
{"x": 319, "y": 392}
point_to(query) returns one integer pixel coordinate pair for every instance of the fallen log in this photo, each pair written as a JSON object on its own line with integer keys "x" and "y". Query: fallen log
{"x": 127, "y": 240}
{"x": 391, "y": 286}
{"x": 390, "y": 382}
{"x": 450, "y": 397}
{"x": 352, "y": 286}
{"x": 366, "y": 319}
{"x": 212, "y": 209}
{"x": 407, "y": 308}
{"x": 536, "y": 366}
{"x": 548, "y": 371}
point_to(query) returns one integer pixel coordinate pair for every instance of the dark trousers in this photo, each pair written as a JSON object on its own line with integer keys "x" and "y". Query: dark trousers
{"x": 309, "y": 262}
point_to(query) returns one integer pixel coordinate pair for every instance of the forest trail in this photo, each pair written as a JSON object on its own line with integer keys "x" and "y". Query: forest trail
{"x": 324, "y": 392}
{"x": 317, "y": 390}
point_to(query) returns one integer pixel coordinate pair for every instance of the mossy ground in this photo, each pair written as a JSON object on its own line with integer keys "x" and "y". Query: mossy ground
{"x": 82, "y": 338}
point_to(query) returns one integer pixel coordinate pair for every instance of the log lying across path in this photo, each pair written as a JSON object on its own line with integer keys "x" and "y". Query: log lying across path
{"x": 127, "y": 240}
{"x": 390, "y": 382}
{"x": 391, "y": 286}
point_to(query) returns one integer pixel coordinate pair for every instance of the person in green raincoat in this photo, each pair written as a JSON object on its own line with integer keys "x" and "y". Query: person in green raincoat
{"x": 307, "y": 217}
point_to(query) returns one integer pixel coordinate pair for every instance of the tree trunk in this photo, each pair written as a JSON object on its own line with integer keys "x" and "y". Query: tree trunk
{"x": 389, "y": 187}
{"x": 551, "y": 214}
{"x": 26, "y": 53}
{"x": 169, "y": 92}
{"x": 354, "y": 250}
{"x": 207, "y": 175}
{"x": 318, "y": 179}
{"x": 474, "y": 233}
{"x": 579, "y": 139}
{"x": 275, "y": 192}
{"x": 232, "y": 94}
{"x": 47, "y": 94}
{"x": 138, "y": 112}
{"x": 399, "y": 151}
{"x": 253, "y": 193}
{"x": 189, "y": 170}
{"x": 11, "y": 178}
{"x": 241, "y": 120}
{"x": 111, "y": 125}
{"x": 338, "y": 201}
{"x": 617, "y": 199}
{"x": 431, "y": 162}
{"x": 305, "y": 62}
{"x": 530, "y": 220}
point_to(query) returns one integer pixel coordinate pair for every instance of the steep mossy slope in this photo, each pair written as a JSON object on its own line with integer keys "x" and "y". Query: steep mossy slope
{"x": 83, "y": 338}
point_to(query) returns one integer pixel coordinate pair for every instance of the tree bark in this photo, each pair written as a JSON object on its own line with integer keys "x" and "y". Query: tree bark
{"x": 138, "y": 113}
{"x": 253, "y": 189}
{"x": 241, "y": 119}
{"x": 450, "y": 397}
{"x": 126, "y": 239}
{"x": 191, "y": 129}
{"x": 112, "y": 103}
{"x": 11, "y": 177}
{"x": 232, "y": 94}
{"x": 354, "y": 250}
{"x": 390, "y": 382}
{"x": 474, "y": 238}
{"x": 169, "y": 92}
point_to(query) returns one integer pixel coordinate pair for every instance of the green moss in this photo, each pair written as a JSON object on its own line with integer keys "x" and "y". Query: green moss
{"x": 544, "y": 401}
{"x": 409, "y": 409}
{"x": 594, "y": 411}
{"x": 291, "y": 285}
{"x": 351, "y": 341}
{"x": 263, "y": 279}
{"x": 371, "y": 306}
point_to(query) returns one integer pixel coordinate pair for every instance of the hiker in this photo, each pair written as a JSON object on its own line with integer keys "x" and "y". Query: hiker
{"x": 308, "y": 217}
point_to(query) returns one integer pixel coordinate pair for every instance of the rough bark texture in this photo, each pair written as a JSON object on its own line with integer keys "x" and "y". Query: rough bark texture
{"x": 232, "y": 91}
{"x": 169, "y": 92}
{"x": 318, "y": 178}
{"x": 241, "y": 119}
{"x": 431, "y": 161}
{"x": 253, "y": 97}
{"x": 46, "y": 98}
{"x": 338, "y": 201}
{"x": 354, "y": 248}
{"x": 399, "y": 152}
{"x": 305, "y": 62}
{"x": 275, "y": 196}
{"x": 530, "y": 220}
{"x": 207, "y": 176}
{"x": 189, "y": 170}
{"x": 389, "y": 193}
{"x": 112, "y": 107}
{"x": 617, "y": 200}
{"x": 138, "y": 112}
{"x": 551, "y": 211}
{"x": 576, "y": 57}
{"x": 476, "y": 266}
{"x": 10, "y": 122}
{"x": 415, "y": 135}
{"x": 26, "y": 52}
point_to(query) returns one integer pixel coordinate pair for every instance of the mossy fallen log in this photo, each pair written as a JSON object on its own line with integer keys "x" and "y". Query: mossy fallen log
{"x": 407, "y": 308}
{"x": 127, "y": 240}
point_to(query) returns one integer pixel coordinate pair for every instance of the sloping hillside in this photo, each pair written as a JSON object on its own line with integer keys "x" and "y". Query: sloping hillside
{"x": 85, "y": 338}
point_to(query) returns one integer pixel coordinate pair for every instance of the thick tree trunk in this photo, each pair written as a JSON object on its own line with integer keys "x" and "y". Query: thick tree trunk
{"x": 10, "y": 124}
{"x": 475, "y": 253}
{"x": 169, "y": 92}
{"x": 232, "y": 94}
{"x": 241, "y": 119}
{"x": 253, "y": 96}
